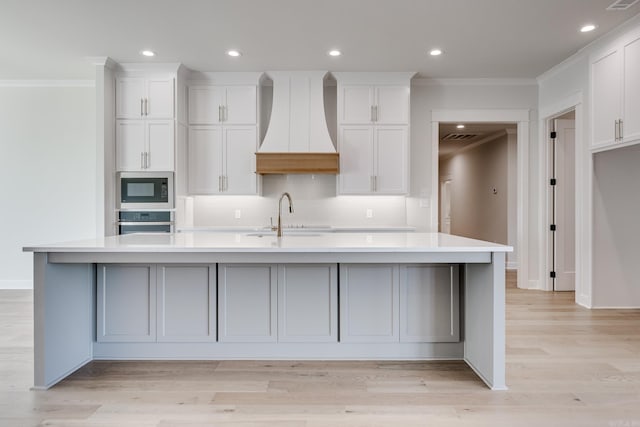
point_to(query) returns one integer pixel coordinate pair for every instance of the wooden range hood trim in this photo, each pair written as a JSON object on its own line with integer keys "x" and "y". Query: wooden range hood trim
{"x": 300, "y": 163}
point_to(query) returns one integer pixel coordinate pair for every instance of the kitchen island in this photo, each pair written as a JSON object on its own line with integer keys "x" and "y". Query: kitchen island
{"x": 252, "y": 295}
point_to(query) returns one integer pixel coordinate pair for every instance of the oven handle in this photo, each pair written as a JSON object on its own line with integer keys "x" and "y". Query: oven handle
{"x": 144, "y": 223}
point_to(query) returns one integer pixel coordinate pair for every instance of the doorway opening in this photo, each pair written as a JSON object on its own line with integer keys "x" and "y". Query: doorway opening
{"x": 477, "y": 167}
{"x": 562, "y": 200}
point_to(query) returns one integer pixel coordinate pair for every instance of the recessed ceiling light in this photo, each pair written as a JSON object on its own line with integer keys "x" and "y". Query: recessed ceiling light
{"x": 460, "y": 126}
{"x": 335, "y": 52}
{"x": 234, "y": 53}
{"x": 148, "y": 53}
{"x": 587, "y": 28}
{"x": 435, "y": 52}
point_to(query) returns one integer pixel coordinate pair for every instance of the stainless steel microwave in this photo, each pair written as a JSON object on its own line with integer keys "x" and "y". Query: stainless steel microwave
{"x": 145, "y": 190}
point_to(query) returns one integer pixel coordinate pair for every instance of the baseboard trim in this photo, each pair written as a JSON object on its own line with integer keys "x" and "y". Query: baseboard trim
{"x": 16, "y": 284}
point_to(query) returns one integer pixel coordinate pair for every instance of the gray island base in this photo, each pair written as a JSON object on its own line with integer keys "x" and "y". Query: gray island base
{"x": 216, "y": 296}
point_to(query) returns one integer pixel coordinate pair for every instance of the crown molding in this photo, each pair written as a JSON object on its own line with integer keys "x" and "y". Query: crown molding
{"x": 47, "y": 83}
{"x": 102, "y": 61}
{"x": 420, "y": 81}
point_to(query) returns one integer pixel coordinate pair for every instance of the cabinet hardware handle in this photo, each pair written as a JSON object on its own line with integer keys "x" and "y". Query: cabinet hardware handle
{"x": 376, "y": 111}
{"x": 141, "y": 107}
{"x": 146, "y": 160}
{"x": 621, "y": 131}
{"x": 146, "y": 106}
{"x": 141, "y": 160}
{"x": 615, "y": 131}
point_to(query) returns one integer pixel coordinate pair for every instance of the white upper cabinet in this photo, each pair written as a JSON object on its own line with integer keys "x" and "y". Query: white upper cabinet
{"x": 374, "y": 104}
{"x": 373, "y": 132}
{"x": 138, "y": 97}
{"x": 144, "y": 145}
{"x": 222, "y": 160}
{"x": 214, "y": 104}
{"x": 145, "y": 110}
{"x": 615, "y": 89}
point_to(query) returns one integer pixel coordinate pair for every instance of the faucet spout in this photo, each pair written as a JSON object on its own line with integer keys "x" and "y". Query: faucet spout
{"x": 288, "y": 196}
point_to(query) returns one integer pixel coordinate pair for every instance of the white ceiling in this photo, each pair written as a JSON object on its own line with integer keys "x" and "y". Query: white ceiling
{"x": 47, "y": 39}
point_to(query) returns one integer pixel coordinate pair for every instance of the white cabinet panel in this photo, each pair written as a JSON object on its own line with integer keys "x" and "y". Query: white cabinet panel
{"x": 631, "y": 123}
{"x": 247, "y": 308}
{"x": 241, "y": 105}
{"x": 205, "y": 104}
{"x": 160, "y": 99}
{"x": 239, "y": 157}
{"x": 392, "y": 159}
{"x": 357, "y": 104}
{"x": 307, "y": 303}
{"x": 369, "y": 303}
{"x": 130, "y": 145}
{"x": 130, "y": 94}
{"x": 126, "y": 303}
{"x": 160, "y": 152}
{"x": 607, "y": 93}
{"x": 356, "y": 159}
{"x": 138, "y": 97}
{"x": 392, "y": 105}
{"x": 429, "y": 303}
{"x": 205, "y": 159}
{"x": 186, "y": 303}
{"x": 144, "y": 145}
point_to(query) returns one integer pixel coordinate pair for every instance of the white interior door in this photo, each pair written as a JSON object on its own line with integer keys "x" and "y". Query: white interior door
{"x": 445, "y": 206}
{"x": 565, "y": 251}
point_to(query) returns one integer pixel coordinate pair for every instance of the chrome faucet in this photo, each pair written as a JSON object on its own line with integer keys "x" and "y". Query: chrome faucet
{"x": 288, "y": 196}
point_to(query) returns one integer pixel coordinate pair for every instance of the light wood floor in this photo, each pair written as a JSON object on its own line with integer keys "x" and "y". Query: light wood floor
{"x": 566, "y": 366}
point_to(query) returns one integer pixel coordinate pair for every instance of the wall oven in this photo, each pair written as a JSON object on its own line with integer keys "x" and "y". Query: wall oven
{"x": 145, "y": 222}
{"x": 144, "y": 190}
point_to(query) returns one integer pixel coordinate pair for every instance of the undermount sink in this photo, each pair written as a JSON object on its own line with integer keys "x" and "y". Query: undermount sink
{"x": 286, "y": 233}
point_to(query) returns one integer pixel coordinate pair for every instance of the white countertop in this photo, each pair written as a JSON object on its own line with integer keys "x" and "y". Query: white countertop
{"x": 261, "y": 242}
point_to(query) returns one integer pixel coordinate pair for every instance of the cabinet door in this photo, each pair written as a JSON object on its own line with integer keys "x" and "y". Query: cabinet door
{"x": 369, "y": 303}
{"x": 391, "y": 159}
{"x": 429, "y": 303}
{"x": 130, "y": 145}
{"x": 186, "y": 303}
{"x": 130, "y": 94}
{"x": 205, "y": 159}
{"x": 126, "y": 302}
{"x": 241, "y": 105}
{"x": 356, "y": 160}
{"x": 205, "y": 104}
{"x": 392, "y": 105}
{"x": 240, "y": 160}
{"x": 247, "y": 309}
{"x": 607, "y": 92}
{"x": 160, "y": 147}
{"x": 307, "y": 303}
{"x": 631, "y": 123}
{"x": 160, "y": 99}
{"x": 356, "y": 104}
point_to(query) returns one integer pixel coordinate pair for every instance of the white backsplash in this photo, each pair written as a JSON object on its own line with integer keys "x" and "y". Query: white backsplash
{"x": 314, "y": 200}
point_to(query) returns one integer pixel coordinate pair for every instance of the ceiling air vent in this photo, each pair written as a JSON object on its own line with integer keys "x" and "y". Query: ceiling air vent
{"x": 459, "y": 136}
{"x": 622, "y": 4}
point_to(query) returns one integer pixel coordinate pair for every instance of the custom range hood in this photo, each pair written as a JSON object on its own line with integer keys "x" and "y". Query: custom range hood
{"x": 297, "y": 139}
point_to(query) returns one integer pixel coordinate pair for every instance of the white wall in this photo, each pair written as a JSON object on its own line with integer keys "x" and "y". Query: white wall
{"x": 47, "y": 172}
{"x": 476, "y": 211}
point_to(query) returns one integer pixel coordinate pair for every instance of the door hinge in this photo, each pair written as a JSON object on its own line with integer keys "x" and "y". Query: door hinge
{"x": 552, "y": 227}
{"x": 553, "y": 181}
{"x": 553, "y": 135}
{"x": 552, "y": 274}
